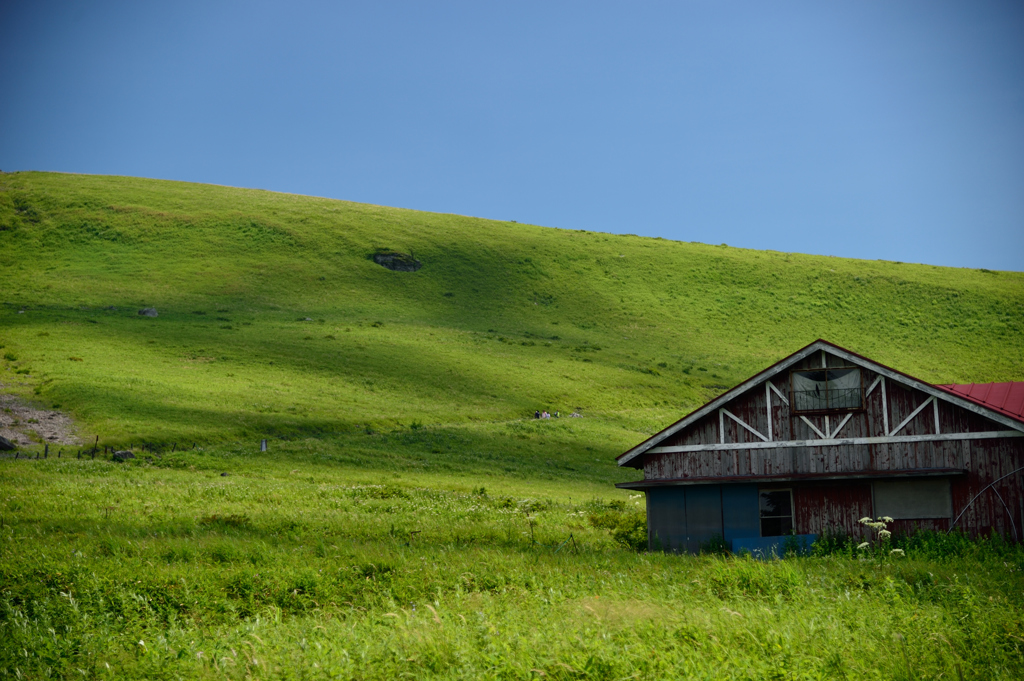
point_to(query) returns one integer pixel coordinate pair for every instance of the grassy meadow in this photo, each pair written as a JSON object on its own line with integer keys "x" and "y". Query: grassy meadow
{"x": 410, "y": 518}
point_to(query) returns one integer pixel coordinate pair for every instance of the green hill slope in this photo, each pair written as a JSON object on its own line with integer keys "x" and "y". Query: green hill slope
{"x": 275, "y": 321}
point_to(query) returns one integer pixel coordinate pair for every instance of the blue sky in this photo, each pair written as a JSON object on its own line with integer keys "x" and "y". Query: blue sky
{"x": 874, "y": 130}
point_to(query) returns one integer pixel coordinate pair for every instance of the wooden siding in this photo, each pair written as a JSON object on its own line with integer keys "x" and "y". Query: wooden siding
{"x": 832, "y": 507}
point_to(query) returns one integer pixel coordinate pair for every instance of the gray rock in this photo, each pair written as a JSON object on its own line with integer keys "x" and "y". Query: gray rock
{"x": 223, "y": 475}
{"x": 123, "y": 455}
{"x": 398, "y": 262}
{"x": 147, "y": 312}
{"x": 6, "y": 445}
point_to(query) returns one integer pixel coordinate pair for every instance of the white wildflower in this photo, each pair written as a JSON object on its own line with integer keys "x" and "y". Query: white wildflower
{"x": 886, "y": 518}
{"x": 863, "y": 545}
{"x": 884, "y": 534}
{"x": 865, "y": 520}
{"x": 897, "y": 552}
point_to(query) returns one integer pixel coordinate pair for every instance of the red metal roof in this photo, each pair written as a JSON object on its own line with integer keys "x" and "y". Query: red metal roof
{"x": 1006, "y": 398}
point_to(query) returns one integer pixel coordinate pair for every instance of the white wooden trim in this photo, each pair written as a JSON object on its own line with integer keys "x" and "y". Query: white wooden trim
{"x": 874, "y": 384}
{"x": 912, "y": 415}
{"x": 779, "y": 393}
{"x": 987, "y": 435}
{"x": 721, "y": 426}
{"x": 741, "y": 422}
{"x": 885, "y": 410}
{"x": 768, "y": 408}
{"x": 811, "y": 426}
{"x": 841, "y": 424}
{"x": 828, "y": 428}
{"x": 824, "y": 359}
{"x": 935, "y": 404}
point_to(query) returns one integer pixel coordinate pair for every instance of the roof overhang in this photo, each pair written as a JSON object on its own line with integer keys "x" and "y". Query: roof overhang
{"x": 802, "y": 477}
{"x": 628, "y": 458}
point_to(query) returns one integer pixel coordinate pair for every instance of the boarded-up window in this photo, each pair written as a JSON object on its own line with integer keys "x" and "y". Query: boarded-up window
{"x": 913, "y": 499}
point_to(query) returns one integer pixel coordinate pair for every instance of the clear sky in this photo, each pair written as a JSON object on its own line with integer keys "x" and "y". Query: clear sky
{"x": 880, "y": 130}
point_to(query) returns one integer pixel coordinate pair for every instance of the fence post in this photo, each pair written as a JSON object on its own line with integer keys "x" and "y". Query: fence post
{"x": 263, "y": 445}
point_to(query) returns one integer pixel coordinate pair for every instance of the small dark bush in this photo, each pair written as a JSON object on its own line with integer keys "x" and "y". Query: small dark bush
{"x": 629, "y": 528}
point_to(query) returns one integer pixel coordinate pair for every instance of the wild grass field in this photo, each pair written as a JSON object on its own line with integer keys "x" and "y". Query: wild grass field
{"x": 297, "y": 566}
{"x": 410, "y": 518}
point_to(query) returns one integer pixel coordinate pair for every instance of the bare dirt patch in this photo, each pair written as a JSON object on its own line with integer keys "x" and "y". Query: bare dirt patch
{"x": 25, "y": 425}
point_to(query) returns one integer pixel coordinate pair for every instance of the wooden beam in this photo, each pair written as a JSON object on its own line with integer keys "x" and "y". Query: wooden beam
{"x": 779, "y": 393}
{"x": 912, "y": 415}
{"x": 811, "y": 426}
{"x": 799, "y": 477}
{"x": 768, "y": 407}
{"x": 841, "y": 424}
{"x": 947, "y": 437}
{"x": 741, "y": 422}
{"x": 885, "y": 410}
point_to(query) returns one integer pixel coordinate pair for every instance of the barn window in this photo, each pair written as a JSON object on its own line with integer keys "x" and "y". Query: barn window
{"x": 929, "y": 498}
{"x": 776, "y": 512}
{"x": 827, "y": 390}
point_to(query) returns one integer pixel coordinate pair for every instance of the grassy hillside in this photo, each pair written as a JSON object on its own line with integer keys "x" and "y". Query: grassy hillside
{"x": 410, "y": 519}
{"x": 501, "y": 320}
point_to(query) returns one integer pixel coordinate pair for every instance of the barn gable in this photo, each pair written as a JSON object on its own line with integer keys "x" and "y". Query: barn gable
{"x": 756, "y": 430}
{"x": 844, "y": 436}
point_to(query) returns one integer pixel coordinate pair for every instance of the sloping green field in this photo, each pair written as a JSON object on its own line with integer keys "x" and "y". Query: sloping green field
{"x": 411, "y": 517}
{"x": 501, "y": 320}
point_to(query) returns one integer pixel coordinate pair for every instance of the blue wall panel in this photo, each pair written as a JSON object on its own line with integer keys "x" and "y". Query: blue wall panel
{"x": 703, "y": 515}
{"x": 666, "y": 519}
{"x": 740, "y": 516}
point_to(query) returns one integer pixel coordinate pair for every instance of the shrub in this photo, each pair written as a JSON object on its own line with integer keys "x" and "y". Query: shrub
{"x": 628, "y": 528}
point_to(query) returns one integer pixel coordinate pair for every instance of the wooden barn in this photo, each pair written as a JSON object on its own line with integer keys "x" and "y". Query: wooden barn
{"x": 824, "y": 438}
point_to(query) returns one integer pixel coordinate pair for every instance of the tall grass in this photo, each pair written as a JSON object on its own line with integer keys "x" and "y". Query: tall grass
{"x": 301, "y": 568}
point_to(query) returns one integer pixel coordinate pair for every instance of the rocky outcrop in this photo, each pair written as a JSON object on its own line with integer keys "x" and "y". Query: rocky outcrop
{"x": 398, "y": 262}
